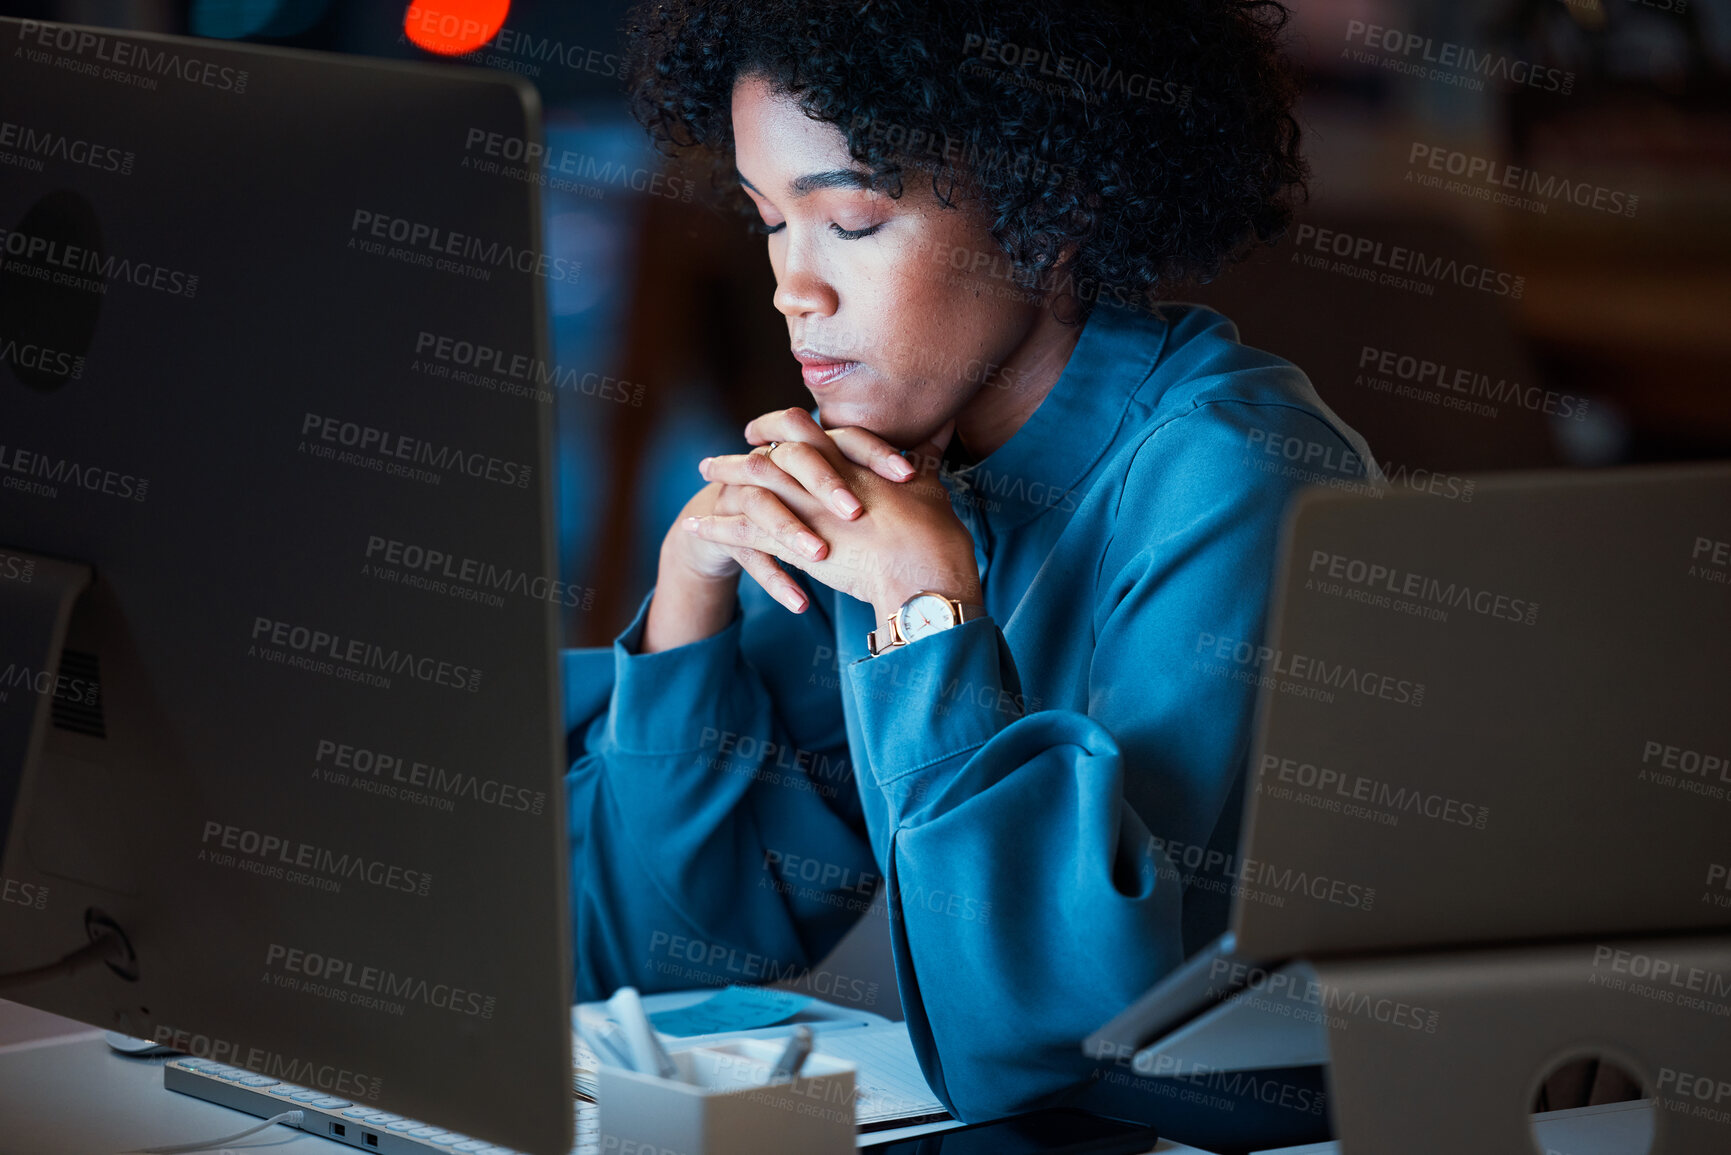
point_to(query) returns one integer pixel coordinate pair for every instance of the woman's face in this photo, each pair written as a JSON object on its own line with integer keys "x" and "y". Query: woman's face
{"x": 898, "y": 309}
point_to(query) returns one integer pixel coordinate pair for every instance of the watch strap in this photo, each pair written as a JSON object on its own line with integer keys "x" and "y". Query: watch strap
{"x": 891, "y": 631}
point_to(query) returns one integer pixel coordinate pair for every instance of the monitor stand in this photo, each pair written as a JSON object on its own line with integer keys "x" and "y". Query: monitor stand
{"x": 36, "y": 599}
{"x": 1506, "y": 1018}
{"x": 1440, "y": 1053}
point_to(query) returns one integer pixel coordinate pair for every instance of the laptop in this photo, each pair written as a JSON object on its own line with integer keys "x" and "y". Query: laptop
{"x": 1478, "y": 717}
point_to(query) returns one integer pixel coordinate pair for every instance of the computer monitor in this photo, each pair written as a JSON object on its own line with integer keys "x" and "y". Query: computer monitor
{"x": 1488, "y": 720}
{"x": 278, "y": 693}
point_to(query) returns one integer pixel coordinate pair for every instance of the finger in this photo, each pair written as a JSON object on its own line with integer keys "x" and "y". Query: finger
{"x": 765, "y": 524}
{"x": 863, "y": 447}
{"x": 772, "y": 578}
{"x": 767, "y": 512}
{"x": 858, "y": 445}
{"x": 794, "y": 463}
{"x": 928, "y": 455}
{"x": 791, "y": 424}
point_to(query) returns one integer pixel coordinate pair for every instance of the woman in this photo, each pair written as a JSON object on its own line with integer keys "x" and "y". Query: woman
{"x": 970, "y": 208}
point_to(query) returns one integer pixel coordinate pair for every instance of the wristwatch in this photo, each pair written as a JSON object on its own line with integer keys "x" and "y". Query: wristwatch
{"x": 925, "y": 612}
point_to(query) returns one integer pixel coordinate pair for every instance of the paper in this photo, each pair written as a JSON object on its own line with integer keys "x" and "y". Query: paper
{"x": 887, "y": 1074}
{"x": 584, "y": 1064}
{"x": 734, "y": 1009}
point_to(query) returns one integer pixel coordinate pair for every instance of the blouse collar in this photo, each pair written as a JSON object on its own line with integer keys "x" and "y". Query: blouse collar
{"x": 1044, "y": 461}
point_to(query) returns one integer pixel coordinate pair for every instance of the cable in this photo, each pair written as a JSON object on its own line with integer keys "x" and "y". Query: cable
{"x": 287, "y": 1118}
{"x": 97, "y": 950}
{"x": 109, "y": 944}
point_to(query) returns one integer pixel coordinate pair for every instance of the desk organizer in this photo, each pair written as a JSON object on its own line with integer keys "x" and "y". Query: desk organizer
{"x": 729, "y": 1106}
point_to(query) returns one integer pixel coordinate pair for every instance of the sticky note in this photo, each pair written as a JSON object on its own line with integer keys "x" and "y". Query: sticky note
{"x": 733, "y": 1009}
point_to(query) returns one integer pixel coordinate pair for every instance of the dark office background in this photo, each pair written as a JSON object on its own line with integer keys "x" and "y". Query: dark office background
{"x": 1631, "y": 313}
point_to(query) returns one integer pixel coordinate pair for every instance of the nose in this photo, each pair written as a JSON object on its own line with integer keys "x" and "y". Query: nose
{"x": 801, "y": 289}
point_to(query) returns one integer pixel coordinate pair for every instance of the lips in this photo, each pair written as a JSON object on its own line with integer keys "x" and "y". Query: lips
{"x": 820, "y": 369}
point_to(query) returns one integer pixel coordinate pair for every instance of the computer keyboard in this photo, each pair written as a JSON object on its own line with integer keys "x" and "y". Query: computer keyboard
{"x": 339, "y": 1120}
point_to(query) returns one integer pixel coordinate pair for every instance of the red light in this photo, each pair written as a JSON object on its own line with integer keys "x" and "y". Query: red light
{"x": 454, "y": 27}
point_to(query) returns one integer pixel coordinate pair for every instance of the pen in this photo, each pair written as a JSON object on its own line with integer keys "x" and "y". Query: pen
{"x": 647, "y": 1053}
{"x": 604, "y": 1039}
{"x": 793, "y": 1058}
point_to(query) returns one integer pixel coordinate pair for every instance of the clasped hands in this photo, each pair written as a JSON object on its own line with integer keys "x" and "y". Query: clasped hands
{"x": 843, "y": 505}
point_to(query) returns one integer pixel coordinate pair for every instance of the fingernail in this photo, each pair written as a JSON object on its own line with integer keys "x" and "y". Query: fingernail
{"x": 901, "y": 468}
{"x": 690, "y": 523}
{"x": 797, "y": 605}
{"x": 704, "y": 464}
{"x": 811, "y": 545}
{"x": 846, "y": 502}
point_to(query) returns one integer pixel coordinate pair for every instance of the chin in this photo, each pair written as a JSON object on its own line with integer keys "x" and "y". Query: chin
{"x": 836, "y": 414}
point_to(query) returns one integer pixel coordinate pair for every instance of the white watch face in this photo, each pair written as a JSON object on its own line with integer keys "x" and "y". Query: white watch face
{"x": 925, "y": 614}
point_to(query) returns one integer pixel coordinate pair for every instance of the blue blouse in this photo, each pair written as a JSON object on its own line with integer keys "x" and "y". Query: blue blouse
{"x": 1018, "y": 781}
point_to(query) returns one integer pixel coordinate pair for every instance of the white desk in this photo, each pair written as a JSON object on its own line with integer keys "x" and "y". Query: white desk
{"x": 73, "y": 1096}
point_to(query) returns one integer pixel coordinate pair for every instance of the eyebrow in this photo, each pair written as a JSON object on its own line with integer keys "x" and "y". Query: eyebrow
{"x": 813, "y": 182}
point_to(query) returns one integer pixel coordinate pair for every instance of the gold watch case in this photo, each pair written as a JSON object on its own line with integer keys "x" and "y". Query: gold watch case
{"x": 896, "y": 632}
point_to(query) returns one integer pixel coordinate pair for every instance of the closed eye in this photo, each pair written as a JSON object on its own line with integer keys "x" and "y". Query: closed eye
{"x": 845, "y": 234}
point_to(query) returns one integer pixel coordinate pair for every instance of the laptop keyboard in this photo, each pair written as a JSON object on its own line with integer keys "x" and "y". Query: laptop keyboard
{"x": 339, "y": 1120}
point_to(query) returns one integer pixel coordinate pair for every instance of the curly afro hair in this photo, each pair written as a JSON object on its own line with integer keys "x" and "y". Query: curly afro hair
{"x": 1115, "y": 148}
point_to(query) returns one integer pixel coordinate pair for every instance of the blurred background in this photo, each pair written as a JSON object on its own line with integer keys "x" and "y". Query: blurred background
{"x": 1624, "y": 308}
